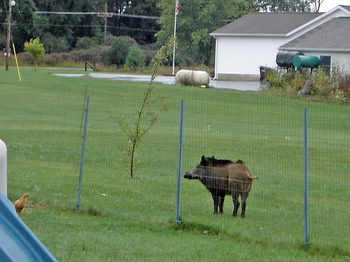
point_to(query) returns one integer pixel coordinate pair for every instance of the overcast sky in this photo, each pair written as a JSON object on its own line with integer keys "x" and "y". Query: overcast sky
{"x": 329, "y": 4}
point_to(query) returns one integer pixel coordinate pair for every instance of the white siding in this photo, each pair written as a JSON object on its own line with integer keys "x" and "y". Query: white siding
{"x": 244, "y": 55}
{"x": 237, "y": 55}
{"x": 342, "y": 60}
{"x": 338, "y": 59}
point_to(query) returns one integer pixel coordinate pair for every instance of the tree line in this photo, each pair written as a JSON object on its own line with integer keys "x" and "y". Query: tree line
{"x": 149, "y": 22}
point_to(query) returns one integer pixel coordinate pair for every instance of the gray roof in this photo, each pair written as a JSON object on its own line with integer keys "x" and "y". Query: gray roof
{"x": 274, "y": 23}
{"x": 332, "y": 35}
{"x": 346, "y": 7}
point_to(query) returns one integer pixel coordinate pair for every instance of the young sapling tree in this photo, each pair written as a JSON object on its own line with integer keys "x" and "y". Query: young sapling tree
{"x": 147, "y": 115}
{"x": 35, "y": 49}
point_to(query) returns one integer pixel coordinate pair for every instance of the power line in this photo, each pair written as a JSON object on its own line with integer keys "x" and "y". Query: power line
{"x": 113, "y": 27}
{"x": 97, "y": 13}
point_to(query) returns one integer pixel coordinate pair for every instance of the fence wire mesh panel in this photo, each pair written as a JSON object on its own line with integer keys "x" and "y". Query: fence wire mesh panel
{"x": 266, "y": 132}
{"x": 108, "y": 187}
{"x": 329, "y": 182}
{"x": 44, "y": 139}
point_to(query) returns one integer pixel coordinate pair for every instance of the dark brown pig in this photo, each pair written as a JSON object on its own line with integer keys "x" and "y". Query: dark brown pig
{"x": 224, "y": 177}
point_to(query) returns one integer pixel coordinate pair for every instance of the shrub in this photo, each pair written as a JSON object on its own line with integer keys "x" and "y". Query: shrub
{"x": 323, "y": 84}
{"x": 344, "y": 84}
{"x": 110, "y": 39}
{"x": 336, "y": 85}
{"x": 84, "y": 43}
{"x": 35, "y": 48}
{"x": 54, "y": 44}
{"x": 294, "y": 82}
{"x": 25, "y": 57}
{"x": 135, "y": 58}
{"x": 149, "y": 51}
{"x": 273, "y": 79}
{"x": 118, "y": 52}
{"x": 94, "y": 55}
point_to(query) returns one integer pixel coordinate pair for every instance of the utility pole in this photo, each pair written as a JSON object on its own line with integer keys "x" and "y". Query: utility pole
{"x": 176, "y": 13}
{"x": 11, "y": 3}
{"x": 105, "y": 16}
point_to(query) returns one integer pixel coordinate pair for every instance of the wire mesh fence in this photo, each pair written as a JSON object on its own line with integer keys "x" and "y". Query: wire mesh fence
{"x": 269, "y": 139}
{"x": 265, "y": 131}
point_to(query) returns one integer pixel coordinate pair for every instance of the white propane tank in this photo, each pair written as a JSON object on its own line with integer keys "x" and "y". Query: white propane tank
{"x": 192, "y": 77}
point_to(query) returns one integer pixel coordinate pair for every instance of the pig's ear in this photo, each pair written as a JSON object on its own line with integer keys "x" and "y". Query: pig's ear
{"x": 203, "y": 161}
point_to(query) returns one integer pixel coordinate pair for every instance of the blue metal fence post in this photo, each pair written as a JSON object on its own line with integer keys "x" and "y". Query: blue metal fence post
{"x": 82, "y": 154}
{"x": 180, "y": 165}
{"x": 306, "y": 214}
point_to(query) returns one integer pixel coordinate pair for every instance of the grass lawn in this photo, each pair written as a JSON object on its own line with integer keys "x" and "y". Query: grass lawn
{"x": 134, "y": 219}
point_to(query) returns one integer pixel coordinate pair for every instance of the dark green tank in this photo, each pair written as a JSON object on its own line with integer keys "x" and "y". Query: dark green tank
{"x": 301, "y": 61}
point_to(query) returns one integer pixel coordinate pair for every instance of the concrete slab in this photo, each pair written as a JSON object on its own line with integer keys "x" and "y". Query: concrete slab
{"x": 170, "y": 80}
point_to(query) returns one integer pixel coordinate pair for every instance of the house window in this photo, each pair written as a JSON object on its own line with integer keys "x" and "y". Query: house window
{"x": 326, "y": 63}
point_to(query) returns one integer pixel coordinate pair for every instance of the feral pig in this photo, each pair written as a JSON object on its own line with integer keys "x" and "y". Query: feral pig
{"x": 224, "y": 177}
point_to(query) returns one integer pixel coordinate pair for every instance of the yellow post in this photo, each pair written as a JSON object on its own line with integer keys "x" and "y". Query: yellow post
{"x": 19, "y": 74}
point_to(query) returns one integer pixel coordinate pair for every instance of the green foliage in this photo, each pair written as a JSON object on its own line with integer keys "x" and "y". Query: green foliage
{"x": 35, "y": 48}
{"x": 85, "y": 43}
{"x": 118, "y": 52}
{"x": 149, "y": 51}
{"x": 44, "y": 145}
{"x": 135, "y": 58}
{"x": 146, "y": 28}
{"x": 163, "y": 55}
{"x": 23, "y": 23}
{"x": 71, "y": 27}
{"x": 73, "y": 59}
{"x": 146, "y": 117}
{"x": 344, "y": 84}
{"x": 203, "y": 67}
{"x": 196, "y": 19}
{"x": 273, "y": 78}
{"x": 323, "y": 85}
{"x": 54, "y": 44}
{"x": 284, "y": 5}
{"x": 292, "y": 83}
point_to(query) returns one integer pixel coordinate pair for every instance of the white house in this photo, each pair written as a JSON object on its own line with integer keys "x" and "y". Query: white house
{"x": 254, "y": 40}
{"x": 329, "y": 41}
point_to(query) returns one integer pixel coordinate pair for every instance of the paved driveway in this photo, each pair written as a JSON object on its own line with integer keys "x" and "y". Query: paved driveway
{"x": 236, "y": 85}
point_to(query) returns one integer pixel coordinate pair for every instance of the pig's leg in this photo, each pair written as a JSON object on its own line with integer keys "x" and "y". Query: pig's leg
{"x": 221, "y": 203}
{"x": 216, "y": 202}
{"x": 235, "y": 203}
{"x": 244, "y": 203}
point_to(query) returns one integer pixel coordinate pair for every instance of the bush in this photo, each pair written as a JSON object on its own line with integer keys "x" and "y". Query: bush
{"x": 84, "y": 43}
{"x": 26, "y": 58}
{"x": 135, "y": 58}
{"x": 323, "y": 84}
{"x": 54, "y": 44}
{"x": 294, "y": 82}
{"x": 110, "y": 39}
{"x": 149, "y": 51}
{"x": 344, "y": 83}
{"x": 336, "y": 85}
{"x": 274, "y": 80}
{"x": 94, "y": 55}
{"x": 118, "y": 52}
